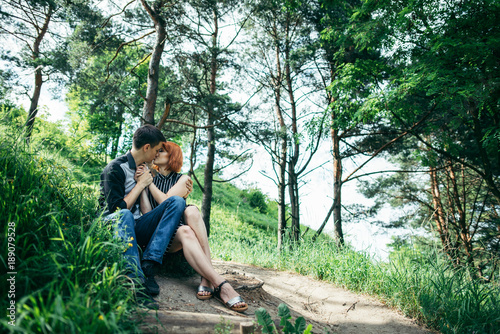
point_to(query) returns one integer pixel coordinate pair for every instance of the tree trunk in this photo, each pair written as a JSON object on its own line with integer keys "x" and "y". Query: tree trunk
{"x": 464, "y": 234}
{"x": 206, "y": 206}
{"x": 439, "y": 215}
{"x": 293, "y": 191}
{"x": 479, "y": 137}
{"x": 116, "y": 141}
{"x": 148, "y": 114}
{"x": 30, "y": 122}
{"x": 38, "y": 76}
{"x": 281, "y": 191}
{"x": 320, "y": 230}
{"x": 293, "y": 182}
{"x": 192, "y": 154}
{"x": 337, "y": 185}
{"x": 282, "y": 155}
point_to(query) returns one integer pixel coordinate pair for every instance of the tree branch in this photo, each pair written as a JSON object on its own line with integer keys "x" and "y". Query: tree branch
{"x": 123, "y": 10}
{"x": 120, "y": 47}
{"x": 376, "y": 153}
{"x": 235, "y": 177}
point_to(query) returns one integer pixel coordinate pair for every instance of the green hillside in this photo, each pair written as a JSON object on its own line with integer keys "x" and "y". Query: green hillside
{"x": 68, "y": 267}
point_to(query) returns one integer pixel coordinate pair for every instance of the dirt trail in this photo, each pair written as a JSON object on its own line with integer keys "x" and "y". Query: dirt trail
{"x": 324, "y": 306}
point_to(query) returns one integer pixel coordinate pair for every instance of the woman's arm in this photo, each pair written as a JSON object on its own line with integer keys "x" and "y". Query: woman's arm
{"x": 182, "y": 188}
{"x": 144, "y": 203}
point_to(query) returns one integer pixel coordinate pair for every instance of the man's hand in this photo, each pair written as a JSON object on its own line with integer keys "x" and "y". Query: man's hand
{"x": 144, "y": 179}
{"x": 141, "y": 169}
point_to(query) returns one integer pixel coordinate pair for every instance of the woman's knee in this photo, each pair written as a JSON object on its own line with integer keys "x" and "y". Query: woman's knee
{"x": 185, "y": 233}
{"x": 191, "y": 213}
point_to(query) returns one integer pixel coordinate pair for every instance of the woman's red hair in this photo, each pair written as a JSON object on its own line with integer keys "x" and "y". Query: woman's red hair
{"x": 174, "y": 156}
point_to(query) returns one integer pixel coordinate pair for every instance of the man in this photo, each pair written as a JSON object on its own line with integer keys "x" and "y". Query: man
{"x": 120, "y": 194}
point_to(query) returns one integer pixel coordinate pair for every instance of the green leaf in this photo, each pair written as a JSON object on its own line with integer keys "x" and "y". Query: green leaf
{"x": 283, "y": 313}
{"x": 264, "y": 319}
{"x": 308, "y": 329}
{"x": 300, "y": 324}
{"x": 288, "y": 327}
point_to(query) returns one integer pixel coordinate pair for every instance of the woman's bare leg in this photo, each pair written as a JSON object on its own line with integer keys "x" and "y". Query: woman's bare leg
{"x": 192, "y": 217}
{"x": 186, "y": 239}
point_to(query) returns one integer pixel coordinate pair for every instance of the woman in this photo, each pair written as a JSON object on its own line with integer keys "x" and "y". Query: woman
{"x": 191, "y": 235}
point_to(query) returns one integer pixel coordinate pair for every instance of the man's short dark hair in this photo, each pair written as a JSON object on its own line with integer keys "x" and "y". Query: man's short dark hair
{"x": 147, "y": 134}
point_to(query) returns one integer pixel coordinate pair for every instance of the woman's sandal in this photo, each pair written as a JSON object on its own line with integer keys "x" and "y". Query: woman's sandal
{"x": 230, "y": 304}
{"x": 203, "y": 288}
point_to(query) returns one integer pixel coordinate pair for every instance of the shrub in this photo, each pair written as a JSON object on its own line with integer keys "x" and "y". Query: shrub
{"x": 68, "y": 268}
{"x": 257, "y": 200}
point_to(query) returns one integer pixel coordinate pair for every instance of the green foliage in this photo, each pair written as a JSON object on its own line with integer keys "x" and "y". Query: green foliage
{"x": 224, "y": 327}
{"x": 265, "y": 320}
{"x": 68, "y": 144}
{"x": 444, "y": 297}
{"x": 106, "y": 103}
{"x": 69, "y": 268}
{"x": 256, "y": 199}
{"x": 441, "y": 60}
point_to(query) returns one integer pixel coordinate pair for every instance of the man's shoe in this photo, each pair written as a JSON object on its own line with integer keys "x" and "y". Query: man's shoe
{"x": 149, "y": 269}
{"x": 146, "y": 300}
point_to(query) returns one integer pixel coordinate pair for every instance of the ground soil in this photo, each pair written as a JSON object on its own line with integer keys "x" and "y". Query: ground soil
{"x": 326, "y": 307}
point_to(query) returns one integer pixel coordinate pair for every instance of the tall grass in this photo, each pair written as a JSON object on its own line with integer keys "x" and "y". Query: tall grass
{"x": 423, "y": 286}
{"x": 69, "y": 271}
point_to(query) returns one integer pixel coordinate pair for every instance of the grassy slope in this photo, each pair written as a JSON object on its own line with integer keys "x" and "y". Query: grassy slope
{"x": 69, "y": 272}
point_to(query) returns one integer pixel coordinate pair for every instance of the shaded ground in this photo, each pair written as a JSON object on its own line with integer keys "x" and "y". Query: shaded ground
{"x": 327, "y": 308}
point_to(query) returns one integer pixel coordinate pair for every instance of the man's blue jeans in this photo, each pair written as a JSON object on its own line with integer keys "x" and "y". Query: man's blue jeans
{"x": 153, "y": 230}
{"x": 124, "y": 226}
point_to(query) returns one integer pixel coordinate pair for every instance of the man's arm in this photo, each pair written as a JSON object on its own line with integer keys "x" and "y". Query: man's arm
{"x": 113, "y": 188}
{"x": 142, "y": 182}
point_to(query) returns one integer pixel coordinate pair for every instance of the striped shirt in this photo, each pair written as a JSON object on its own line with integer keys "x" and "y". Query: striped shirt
{"x": 163, "y": 183}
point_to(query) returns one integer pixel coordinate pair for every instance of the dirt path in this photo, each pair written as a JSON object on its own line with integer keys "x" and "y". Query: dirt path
{"x": 324, "y": 306}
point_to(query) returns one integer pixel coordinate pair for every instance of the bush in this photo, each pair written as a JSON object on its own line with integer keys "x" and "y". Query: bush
{"x": 68, "y": 268}
{"x": 256, "y": 199}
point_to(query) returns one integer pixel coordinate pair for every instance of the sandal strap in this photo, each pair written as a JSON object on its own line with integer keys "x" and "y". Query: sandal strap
{"x": 203, "y": 288}
{"x": 218, "y": 289}
{"x": 233, "y": 301}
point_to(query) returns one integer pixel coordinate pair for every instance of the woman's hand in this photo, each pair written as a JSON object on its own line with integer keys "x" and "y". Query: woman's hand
{"x": 141, "y": 169}
{"x": 143, "y": 176}
{"x": 189, "y": 186}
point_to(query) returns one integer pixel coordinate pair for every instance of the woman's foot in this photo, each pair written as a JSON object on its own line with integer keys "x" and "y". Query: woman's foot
{"x": 229, "y": 297}
{"x": 205, "y": 290}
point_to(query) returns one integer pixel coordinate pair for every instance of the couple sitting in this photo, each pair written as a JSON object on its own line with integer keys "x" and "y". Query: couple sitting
{"x": 151, "y": 212}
